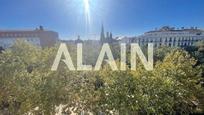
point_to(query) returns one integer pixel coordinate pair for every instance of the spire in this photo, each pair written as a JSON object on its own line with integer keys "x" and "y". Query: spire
{"x": 107, "y": 35}
{"x": 102, "y": 34}
{"x": 111, "y": 36}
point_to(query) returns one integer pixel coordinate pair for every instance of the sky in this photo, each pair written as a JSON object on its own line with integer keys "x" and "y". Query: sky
{"x": 71, "y": 18}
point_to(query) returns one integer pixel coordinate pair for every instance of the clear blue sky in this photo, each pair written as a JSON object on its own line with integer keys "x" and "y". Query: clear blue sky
{"x": 122, "y": 17}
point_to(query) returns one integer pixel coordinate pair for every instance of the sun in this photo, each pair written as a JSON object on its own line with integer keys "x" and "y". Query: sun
{"x": 86, "y": 5}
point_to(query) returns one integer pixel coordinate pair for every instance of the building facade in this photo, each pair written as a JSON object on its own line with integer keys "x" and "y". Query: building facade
{"x": 169, "y": 36}
{"x": 38, "y": 37}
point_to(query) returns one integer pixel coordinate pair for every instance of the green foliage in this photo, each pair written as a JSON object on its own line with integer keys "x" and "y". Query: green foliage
{"x": 161, "y": 52}
{"x": 171, "y": 88}
{"x": 27, "y": 85}
{"x": 197, "y": 51}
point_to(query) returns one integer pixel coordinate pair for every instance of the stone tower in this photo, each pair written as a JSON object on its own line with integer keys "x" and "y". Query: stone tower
{"x": 102, "y": 38}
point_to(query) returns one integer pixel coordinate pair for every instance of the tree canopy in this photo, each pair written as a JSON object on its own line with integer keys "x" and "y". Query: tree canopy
{"x": 27, "y": 85}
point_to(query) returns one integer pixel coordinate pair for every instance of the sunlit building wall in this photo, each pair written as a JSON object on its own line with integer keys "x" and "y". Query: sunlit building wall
{"x": 38, "y": 37}
{"x": 167, "y": 36}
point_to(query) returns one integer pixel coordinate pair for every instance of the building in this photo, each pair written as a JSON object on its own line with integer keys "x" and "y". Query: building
{"x": 38, "y": 37}
{"x": 169, "y": 36}
{"x": 108, "y": 38}
{"x": 78, "y": 40}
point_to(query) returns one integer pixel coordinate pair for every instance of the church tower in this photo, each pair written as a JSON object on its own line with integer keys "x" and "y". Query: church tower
{"x": 111, "y": 36}
{"x": 102, "y": 38}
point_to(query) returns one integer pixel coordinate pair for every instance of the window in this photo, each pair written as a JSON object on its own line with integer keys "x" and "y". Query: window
{"x": 170, "y": 40}
{"x": 160, "y": 39}
{"x": 174, "y": 39}
{"x": 166, "y": 40}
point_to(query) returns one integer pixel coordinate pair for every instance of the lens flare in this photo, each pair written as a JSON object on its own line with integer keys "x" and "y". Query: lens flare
{"x": 87, "y": 12}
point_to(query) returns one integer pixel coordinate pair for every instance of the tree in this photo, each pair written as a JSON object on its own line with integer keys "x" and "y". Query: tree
{"x": 161, "y": 52}
{"x": 171, "y": 88}
{"x": 27, "y": 85}
{"x": 27, "y": 82}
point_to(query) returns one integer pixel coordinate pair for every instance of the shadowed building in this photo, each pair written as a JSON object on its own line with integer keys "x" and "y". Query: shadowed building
{"x": 38, "y": 37}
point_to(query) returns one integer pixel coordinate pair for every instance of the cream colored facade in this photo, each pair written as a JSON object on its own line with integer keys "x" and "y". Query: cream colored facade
{"x": 167, "y": 36}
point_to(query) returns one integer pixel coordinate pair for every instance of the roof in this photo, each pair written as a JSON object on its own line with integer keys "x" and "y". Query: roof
{"x": 37, "y": 30}
{"x": 172, "y": 29}
{"x": 26, "y": 33}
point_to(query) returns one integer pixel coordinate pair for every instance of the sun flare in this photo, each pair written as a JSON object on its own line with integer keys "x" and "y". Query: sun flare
{"x": 86, "y": 5}
{"x": 87, "y": 11}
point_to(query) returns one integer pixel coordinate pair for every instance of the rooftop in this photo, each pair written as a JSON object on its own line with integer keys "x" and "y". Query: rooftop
{"x": 39, "y": 29}
{"x": 173, "y": 29}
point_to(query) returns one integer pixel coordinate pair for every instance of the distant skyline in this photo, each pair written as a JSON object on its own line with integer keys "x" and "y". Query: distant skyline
{"x": 84, "y": 17}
